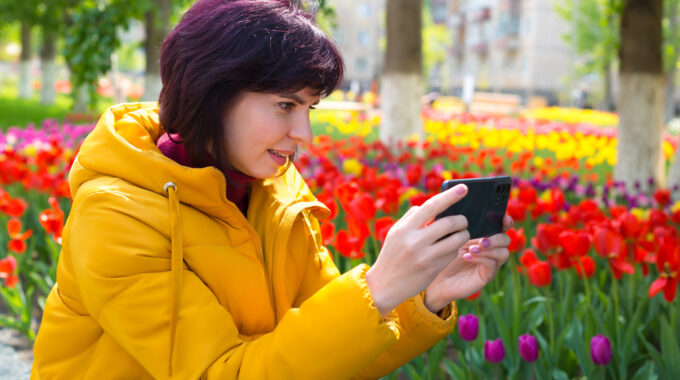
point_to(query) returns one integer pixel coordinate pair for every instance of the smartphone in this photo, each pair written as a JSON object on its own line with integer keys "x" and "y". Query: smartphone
{"x": 483, "y": 206}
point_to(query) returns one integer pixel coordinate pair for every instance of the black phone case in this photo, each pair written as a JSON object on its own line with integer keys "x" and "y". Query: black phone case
{"x": 483, "y": 206}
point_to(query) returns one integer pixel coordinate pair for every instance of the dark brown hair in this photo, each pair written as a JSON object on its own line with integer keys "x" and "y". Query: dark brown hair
{"x": 221, "y": 48}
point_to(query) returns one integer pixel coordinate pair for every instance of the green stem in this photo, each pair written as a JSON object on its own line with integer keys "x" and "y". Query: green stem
{"x": 469, "y": 363}
{"x": 671, "y": 311}
{"x": 551, "y": 322}
{"x": 516, "y": 297}
{"x": 602, "y": 371}
{"x": 615, "y": 291}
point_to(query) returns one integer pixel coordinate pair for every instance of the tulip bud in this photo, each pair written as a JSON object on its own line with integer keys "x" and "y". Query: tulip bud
{"x": 600, "y": 350}
{"x": 468, "y": 327}
{"x": 528, "y": 347}
{"x": 494, "y": 350}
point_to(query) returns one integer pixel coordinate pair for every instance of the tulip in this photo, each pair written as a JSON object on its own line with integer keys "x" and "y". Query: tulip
{"x": 468, "y": 327}
{"x": 600, "y": 350}
{"x": 528, "y": 347}
{"x": 494, "y": 351}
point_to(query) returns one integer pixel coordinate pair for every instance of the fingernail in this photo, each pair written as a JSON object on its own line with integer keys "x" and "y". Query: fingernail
{"x": 512, "y": 222}
{"x": 486, "y": 243}
{"x": 460, "y": 189}
{"x": 467, "y": 256}
{"x": 474, "y": 249}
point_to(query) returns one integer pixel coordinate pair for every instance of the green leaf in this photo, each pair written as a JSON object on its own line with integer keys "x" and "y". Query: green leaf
{"x": 558, "y": 374}
{"x": 646, "y": 372}
{"x": 656, "y": 355}
{"x": 434, "y": 358}
{"x": 454, "y": 370}
{"x": 7, "y": 321}
{"x": 412, "y": 372}
{"x": 669, "y": 349}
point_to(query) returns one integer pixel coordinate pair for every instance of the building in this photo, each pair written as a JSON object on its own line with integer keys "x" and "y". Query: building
{"x": 359, "y": 31}
{"x": 513, "y": 46}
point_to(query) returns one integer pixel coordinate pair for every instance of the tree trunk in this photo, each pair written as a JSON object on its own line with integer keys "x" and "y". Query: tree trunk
{"x": 608, "y": 90}
{"x": 48, "y": 52}
{"x": 641, "y": 95}
{"x": 670, "y": 75}
{"x": 157, "y": 26}
{"x": 402, "y": 83}
{"x": 25, "y": 90}
{"x": 670, "y": 94}
{"x": 81, "y": 99}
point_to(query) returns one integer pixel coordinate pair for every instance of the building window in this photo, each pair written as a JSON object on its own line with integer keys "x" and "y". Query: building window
{"x": 338, "y": 35}
{"x": 364, "y": 38}
{"x": 364, "y": 10}
{"x": 361, "y": 65}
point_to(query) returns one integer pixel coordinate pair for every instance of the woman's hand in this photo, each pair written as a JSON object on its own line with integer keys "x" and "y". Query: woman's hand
{"x": 412, "y": 256}
{"x": 476, "y": 264}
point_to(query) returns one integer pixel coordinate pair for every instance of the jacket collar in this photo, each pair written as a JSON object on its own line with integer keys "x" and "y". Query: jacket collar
{"x": 123, "y": 145}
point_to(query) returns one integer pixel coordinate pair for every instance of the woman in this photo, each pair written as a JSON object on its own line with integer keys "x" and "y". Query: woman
{"x": 193, "y": 248}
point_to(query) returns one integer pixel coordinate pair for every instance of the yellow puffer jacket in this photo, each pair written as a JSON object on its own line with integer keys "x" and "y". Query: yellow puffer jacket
{"x": 160, "y": 276}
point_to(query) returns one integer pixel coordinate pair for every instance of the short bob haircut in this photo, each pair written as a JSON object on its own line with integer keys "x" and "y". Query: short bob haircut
{"x": 222, "y": 48}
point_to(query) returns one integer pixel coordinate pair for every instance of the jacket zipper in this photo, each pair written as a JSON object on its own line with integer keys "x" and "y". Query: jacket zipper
{"x": 260, "y": 252}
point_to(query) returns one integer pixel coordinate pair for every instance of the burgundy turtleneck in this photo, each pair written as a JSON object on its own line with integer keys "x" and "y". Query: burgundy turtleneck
{"x": 238, "y": 184}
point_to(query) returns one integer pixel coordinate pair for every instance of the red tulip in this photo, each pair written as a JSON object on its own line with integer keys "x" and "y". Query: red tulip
{"x": 575, "y": 244}
{"x": 7, "y": 266}
{"x": 382, "y": 227}
{"x": 585, "y": 266}
{"x": 17, "y": 242}
{"x": 349, "y": 246}
{"x": 540, "y": 274}
{"x": 668, "y": 264}
{"x": 327, "y": 232}
{"x": 662, "y": 197}
{"x": 517, "y": 239}
{"x": 52, "y": 220}
{"x": 607, "y": 243}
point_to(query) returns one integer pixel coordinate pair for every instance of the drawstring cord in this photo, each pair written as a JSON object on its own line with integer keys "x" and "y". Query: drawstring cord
{"x": 176, "y": 264}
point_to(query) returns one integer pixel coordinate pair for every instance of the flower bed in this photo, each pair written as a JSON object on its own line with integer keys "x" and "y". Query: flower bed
{"x": 589, "y": 289}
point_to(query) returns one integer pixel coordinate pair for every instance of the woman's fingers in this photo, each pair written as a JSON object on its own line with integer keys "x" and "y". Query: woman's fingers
{"x": 498, "y": 255}
{"x": 501, "y": 240}
{"x": 444, "y": 226}
{"x": 436, "y": 205}
{"x": 507, "y": 222}
{"x": 451, "y": 244}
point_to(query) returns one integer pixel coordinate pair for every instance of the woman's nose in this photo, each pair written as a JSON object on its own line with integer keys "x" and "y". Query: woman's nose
{"x": 301, "y": 131}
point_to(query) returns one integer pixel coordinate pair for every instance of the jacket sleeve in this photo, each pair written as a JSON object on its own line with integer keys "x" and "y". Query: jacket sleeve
{"x": 419, "y": 328}
{"x": 122, "y": 264}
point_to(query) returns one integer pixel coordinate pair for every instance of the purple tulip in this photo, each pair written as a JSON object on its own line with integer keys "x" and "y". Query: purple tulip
{"x": 600, "y": 350}
{"x": 528, "y": 347}
{"x": 468, "y": 327}
{"x": 494, "y": 350}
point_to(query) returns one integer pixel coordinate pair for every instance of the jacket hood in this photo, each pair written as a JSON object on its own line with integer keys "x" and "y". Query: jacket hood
{"x": 123, "y": 145}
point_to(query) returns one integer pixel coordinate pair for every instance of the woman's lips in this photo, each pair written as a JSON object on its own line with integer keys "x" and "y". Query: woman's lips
{"x": 277, "y": 157}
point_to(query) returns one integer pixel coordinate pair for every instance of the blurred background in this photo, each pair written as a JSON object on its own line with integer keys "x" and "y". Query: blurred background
{"x": 576, "y": 100}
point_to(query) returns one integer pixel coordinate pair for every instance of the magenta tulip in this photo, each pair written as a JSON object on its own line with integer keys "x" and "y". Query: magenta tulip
{"x": 528, "y": 347}
{"x": 600, "y": 350}
{"x": 468, "y": 327}
{"x": 494, "y": 350}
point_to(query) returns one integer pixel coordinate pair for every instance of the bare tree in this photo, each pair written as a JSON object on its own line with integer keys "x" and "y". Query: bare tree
{"x": 641, "y": 94}
{"x": 402, "y": 82}
{"x": 157, "y": 26}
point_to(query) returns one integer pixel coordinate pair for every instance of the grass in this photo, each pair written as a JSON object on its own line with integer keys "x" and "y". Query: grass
{"x": 16, "y": 112}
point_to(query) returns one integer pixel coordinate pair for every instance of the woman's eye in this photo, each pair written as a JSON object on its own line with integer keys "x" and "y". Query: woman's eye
{"x": 286, "y": 106}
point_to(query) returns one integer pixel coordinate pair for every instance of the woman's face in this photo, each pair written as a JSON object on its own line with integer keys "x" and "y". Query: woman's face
{"x": 262, "y": 130}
